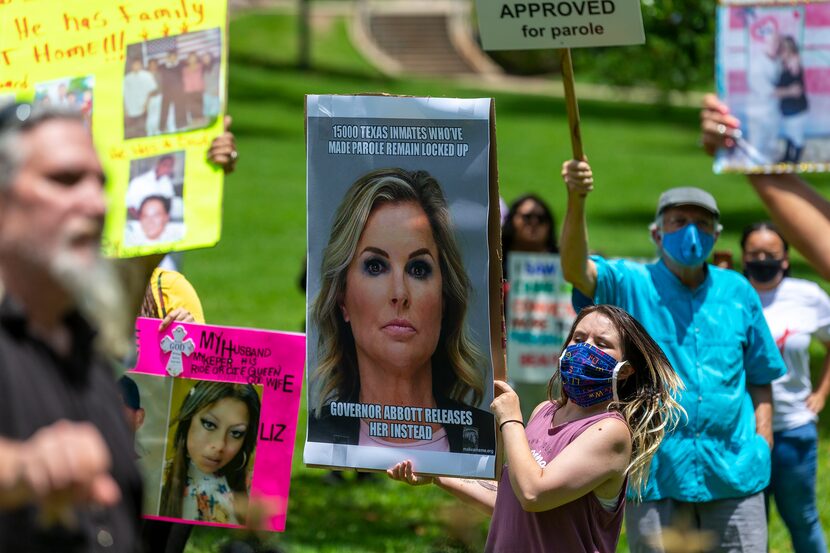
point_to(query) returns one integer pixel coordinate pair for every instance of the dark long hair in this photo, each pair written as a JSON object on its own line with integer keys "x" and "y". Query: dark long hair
{"x": 508, "y": 231}
{"x": 202, "y": 395}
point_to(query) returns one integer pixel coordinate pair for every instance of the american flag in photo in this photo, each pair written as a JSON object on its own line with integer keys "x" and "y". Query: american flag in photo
{"x": 159, "y": 47}
{"x": 209, "y": 40}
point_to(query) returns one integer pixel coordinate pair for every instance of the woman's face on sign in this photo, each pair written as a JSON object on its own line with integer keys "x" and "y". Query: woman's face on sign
{"x": 216, "y": 434}
{"x": 393, "y": 298}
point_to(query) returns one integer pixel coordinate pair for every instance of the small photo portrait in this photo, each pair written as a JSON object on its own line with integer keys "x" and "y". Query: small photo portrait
{"x": 211, "y": 444}
{"x": 146, "y": 400}
{"x": 173, "y": 84}
{"x": 74, "y": 93}
{"x": 772, "y": 71}
{"x": 154, "y": 200}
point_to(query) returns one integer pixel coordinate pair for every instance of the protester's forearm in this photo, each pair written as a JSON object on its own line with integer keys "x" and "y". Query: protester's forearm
{"x": 525, "y": 472}
{"x": 481, "y": 494}
{"x": 576, "y": 267}
{"x": 801, "y": 213}
{"x": 762, "y": 401}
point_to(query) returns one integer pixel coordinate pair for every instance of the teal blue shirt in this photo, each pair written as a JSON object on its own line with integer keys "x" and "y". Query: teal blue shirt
{"x": 718, "y": 342}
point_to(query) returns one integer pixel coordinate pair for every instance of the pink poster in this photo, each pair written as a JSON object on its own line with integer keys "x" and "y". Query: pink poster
{"x": 214, "y": 410}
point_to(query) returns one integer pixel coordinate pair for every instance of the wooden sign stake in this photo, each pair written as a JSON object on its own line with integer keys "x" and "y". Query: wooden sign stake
{"x": 570, "y": 103}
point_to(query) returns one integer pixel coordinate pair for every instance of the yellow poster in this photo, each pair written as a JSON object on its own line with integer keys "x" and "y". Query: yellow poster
{"x": 148, "y": 78}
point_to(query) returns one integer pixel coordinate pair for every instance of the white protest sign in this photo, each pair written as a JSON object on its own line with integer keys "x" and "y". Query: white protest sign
{"x": 559, "y": 24}
{"x": 539, "y": 316}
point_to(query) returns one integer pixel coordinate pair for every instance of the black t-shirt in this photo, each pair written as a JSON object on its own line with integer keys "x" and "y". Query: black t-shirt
{"x": 38, "y": 388}
{"x": 793, "y": 105}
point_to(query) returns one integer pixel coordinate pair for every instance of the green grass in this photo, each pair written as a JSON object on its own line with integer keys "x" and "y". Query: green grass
{"x": 250, "y": 278}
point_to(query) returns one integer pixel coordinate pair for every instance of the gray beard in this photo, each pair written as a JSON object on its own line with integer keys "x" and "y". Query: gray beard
{"x": 99, "y": 296}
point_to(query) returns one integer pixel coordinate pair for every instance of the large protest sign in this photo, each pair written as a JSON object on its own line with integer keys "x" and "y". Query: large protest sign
{"x": 404, "y": 310}
{"x": 539, "y": 315}
{"x": 220, "y": 411}
{"x": 559, "y": 24}
{"x": 774, "y": 74}
{"x": 148, "y": 77}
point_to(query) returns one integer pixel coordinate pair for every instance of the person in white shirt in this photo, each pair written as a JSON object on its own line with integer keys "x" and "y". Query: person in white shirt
{"x": 139, "y": 85}
{"x": 795, "y": 310}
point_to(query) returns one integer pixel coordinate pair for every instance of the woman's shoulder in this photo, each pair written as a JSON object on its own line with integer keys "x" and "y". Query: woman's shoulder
{"x": 607, "y": 432}
{"x": 544, "y": 409}
{"x": 802, "y": 286}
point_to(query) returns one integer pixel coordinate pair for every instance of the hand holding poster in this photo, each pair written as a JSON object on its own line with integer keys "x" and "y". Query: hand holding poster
{"x": 399, "y": 284}
{"x": 539, "y": 314}
{"x": 772, "y": 73}
{"x": 148, "y": 78}
{"x": 220, "y": 419}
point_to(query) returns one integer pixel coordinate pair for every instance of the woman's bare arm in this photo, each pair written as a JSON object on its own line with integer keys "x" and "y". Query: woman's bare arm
{"x": 481, "y": 494}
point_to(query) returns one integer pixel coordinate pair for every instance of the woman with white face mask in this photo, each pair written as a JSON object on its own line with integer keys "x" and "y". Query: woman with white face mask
{"x": 795, "y": 310}
{"x": 564, "y": 484}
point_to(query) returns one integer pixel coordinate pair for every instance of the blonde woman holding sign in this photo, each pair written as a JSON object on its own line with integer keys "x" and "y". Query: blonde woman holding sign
{"x": 564, "y": 484}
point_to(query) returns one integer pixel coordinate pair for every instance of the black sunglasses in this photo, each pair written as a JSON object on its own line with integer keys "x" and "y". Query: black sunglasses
{"x": 534, "y": 218}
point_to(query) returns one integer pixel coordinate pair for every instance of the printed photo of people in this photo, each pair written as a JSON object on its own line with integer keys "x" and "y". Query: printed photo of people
{"x": 146, "y": 401}
{"x": 73, "y": 93}
{"x": 771, "y": 71}
{"x": 398, "y": 327}
{"x": 154, "y": 199}
{"x": 210, "y": 450}
{"x": 172, "y": 84}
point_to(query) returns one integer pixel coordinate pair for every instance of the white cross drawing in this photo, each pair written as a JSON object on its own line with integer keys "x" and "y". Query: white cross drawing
{"x": 176, "y": 347}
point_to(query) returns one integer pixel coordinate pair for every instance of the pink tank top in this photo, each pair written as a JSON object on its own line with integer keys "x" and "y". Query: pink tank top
{"x": 579, "y": 526}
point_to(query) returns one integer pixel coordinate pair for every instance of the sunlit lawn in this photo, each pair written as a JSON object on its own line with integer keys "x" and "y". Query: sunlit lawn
{"x": 250, "y": 278}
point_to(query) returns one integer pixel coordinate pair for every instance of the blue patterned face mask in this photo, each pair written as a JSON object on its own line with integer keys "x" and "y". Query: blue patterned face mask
{"x": 589, "y": 375}
{"x": 688, "y": 246}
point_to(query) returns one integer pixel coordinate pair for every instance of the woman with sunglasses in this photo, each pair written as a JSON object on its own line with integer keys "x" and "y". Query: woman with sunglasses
{"x": 529, "y": 227}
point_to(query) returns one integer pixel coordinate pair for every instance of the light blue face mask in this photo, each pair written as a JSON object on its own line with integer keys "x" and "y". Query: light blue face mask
{"x": 688, "y": 246}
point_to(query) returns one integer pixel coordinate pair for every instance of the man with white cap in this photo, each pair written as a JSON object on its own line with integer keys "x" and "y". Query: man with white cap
{"x": 710, "y": 472}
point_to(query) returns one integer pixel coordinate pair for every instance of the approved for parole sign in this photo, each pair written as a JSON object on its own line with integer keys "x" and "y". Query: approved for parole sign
{"x": 559, "y": 24}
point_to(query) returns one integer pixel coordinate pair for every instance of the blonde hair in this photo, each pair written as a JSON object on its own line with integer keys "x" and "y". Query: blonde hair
{"x": 337, "y": 358}
{"x": 646, "y": 398}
